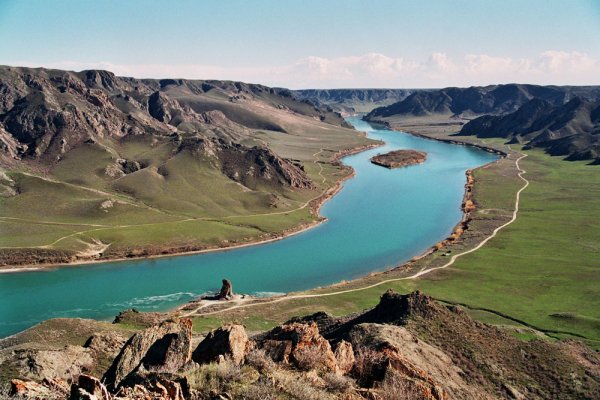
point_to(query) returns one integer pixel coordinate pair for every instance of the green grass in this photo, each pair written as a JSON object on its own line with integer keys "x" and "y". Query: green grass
{"x": 547, "y": 262}
{"x": 178, "y": 200}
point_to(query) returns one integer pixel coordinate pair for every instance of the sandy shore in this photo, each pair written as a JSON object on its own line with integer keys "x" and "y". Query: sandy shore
{"x": 315, "y": 207}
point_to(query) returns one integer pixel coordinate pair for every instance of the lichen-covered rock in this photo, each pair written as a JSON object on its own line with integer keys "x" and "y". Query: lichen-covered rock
{"x": 227, "y": 341}
{"x": 162, "y": 348}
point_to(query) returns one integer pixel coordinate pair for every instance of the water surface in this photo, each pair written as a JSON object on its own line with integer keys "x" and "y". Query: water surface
{"x": 381, "y": 218}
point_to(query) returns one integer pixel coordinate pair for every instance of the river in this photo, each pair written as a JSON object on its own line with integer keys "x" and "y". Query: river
{"x": 379, "y": 219}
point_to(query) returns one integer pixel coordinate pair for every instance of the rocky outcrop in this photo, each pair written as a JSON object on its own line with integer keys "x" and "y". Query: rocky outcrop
{"x": 344, "y": 357}
{"x": 48, "y": 389}
{"x": 301, "y": 345}
{"x": 407, "y": 346}
{"x": 229, "y": 341}
{"x": 89, "y": 387}
{"x": 226, "y": 292}
{"x": 64, "y": 363}
{"x": 251, "y": 166}
{"x": 160, "y": 349}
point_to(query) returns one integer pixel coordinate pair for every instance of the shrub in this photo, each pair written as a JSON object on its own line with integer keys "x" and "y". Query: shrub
{"x": 369, "y": 366}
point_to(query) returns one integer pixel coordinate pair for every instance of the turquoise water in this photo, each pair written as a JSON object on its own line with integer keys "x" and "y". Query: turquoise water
{"x": 381, "y": 218}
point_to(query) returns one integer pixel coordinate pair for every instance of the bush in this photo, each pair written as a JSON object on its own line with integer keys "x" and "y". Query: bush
{"x": 397, "y": 387}
{"x": 310, "y": 357}
{"x": 369, "y": 366}
{"x": 258, "y": 359}
{"x": 337, "y": 383}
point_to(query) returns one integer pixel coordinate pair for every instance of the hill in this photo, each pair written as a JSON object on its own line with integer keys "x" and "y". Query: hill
{"x": 353, "y": 100}
{"x": 407, "y": 346}
{"x": 571, "y": 129}
{"x": 88, "y": 158}
{"x": 479, "y": 100}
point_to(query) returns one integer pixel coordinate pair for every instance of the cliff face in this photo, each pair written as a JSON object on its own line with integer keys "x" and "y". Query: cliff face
{"x": 408, "y": 346}
{"x": 571, "y": 129}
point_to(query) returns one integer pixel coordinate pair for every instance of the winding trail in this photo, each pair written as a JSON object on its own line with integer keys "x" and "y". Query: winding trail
{"x": 100, "y": 227}
{"x": 414, "y": 276}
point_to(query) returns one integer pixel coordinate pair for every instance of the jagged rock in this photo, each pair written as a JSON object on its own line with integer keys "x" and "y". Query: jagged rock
{"x": 344, "y": 356}
{"x": 226, "y": 292}
{"x": 31, "y": 390}
{"x": 163, "y": 348}
{"x": 395, "y": 307}
{"x": 300, "y": 344}
{"x": 162, "y": 107}
{"x": 89, "y": 387}
{"x": 226, "y": 341}
{"x": 154, "y": 388}
{"x": 249, "y": 166}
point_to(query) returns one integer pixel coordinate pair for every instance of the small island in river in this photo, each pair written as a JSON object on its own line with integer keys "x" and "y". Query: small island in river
{"x": 399, "y": 158}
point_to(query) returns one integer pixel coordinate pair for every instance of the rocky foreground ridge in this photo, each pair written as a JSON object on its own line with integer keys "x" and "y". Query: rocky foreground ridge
{"x": 407, "y": 347}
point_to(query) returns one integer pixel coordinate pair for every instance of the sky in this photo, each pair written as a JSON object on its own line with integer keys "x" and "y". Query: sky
{"x": 312, "y": 43}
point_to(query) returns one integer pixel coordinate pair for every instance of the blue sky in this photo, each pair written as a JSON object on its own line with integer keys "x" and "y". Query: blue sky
{"x": 350, "y": 43}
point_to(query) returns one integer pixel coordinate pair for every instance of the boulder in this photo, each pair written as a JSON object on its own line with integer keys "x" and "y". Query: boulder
{"x": 300, "y": 344}
{"x": 30, "y": 390}
{"x": 163, "y": 348}
{"x": 89, "y": 387}
{"x": 64, "y": 363}
{"x": 344, "y": 357}
{"x": 227, "y": 341}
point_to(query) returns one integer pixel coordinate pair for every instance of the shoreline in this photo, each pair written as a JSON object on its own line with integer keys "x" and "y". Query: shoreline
{"x": 314, "y": 205}
{"x": 467, "y": 206}
{"x": 457, "y": 142}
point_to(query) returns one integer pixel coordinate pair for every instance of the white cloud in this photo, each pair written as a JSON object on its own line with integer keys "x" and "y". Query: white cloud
{"x": 378, "y": 70}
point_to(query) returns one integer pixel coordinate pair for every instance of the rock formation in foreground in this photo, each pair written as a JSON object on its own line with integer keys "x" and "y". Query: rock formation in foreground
{"x": 407, "y": 347}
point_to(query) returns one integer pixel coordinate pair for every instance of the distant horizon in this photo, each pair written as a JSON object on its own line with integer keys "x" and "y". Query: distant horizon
{"x": 313, "y": 44}
{"x": 295, "y": 89}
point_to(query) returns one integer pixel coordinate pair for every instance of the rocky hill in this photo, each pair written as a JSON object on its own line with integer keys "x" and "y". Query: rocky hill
{"x": 45, "y": 113}
{"x": 353, "y": 100}
{"x": 571, "y": 129}
{"x": 479, "y": 100}
{"x": 114, "y": 150}
{"x": 407, "y": 347}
